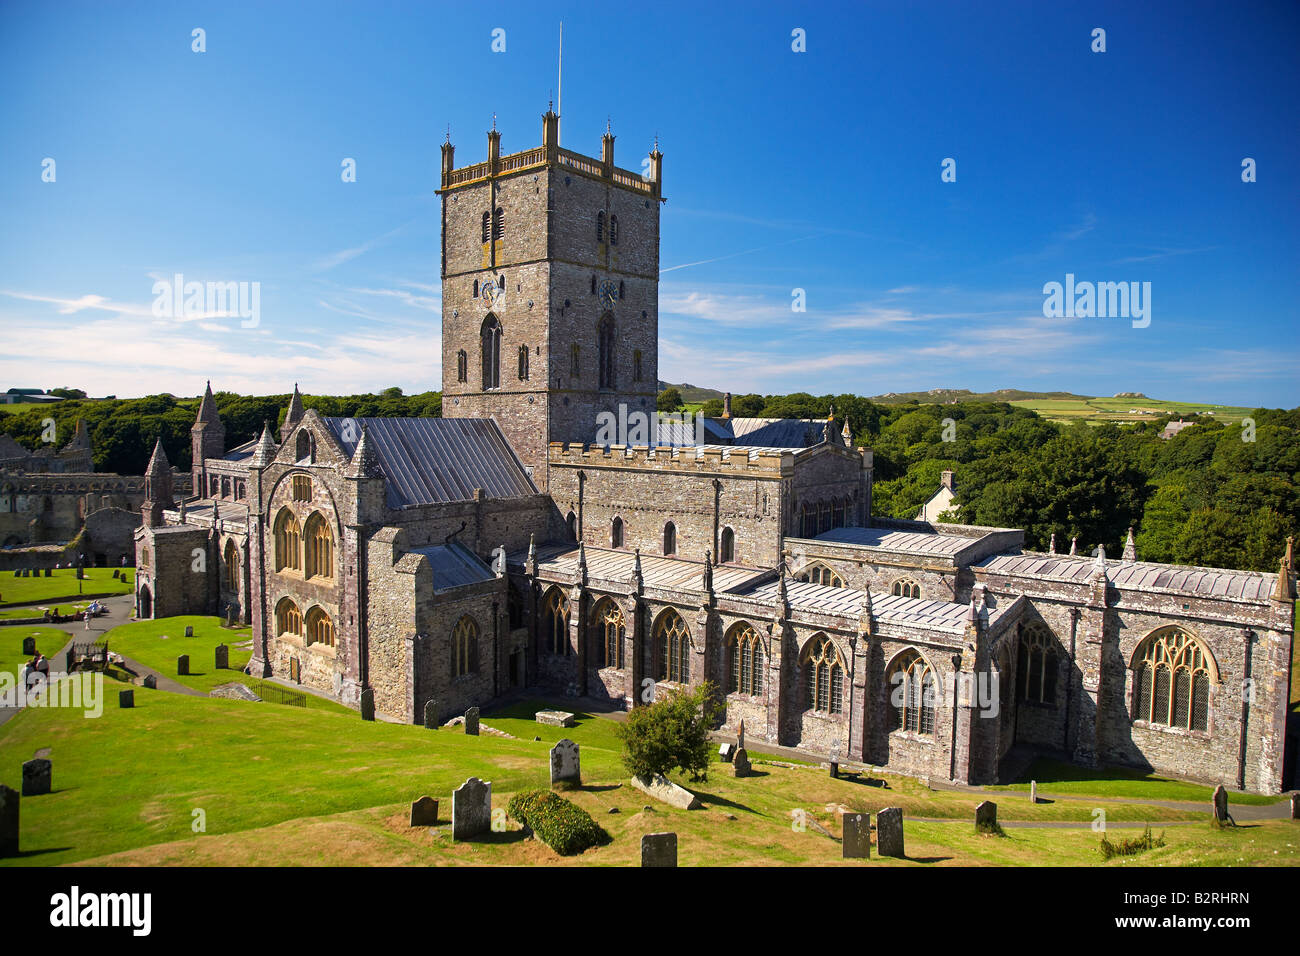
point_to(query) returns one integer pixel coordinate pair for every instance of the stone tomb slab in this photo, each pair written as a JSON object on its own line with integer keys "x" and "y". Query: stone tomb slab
{"x": 663, "y": 789}
{"x": 424, "y": 812}
{"x": 659, "y": 849}
{"x": 565, "y": 763}
{"x": 555, "y": 718}
{"x": 726, "y": 752}
{"x": 471, "y": 809}
{"x": 889, "y": 832}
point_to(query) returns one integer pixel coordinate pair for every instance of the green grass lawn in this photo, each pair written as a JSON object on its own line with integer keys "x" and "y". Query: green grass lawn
{"x": 61, "y": 586}
{"x": 49, "y": 641}
{"x": 1054, "y": 776}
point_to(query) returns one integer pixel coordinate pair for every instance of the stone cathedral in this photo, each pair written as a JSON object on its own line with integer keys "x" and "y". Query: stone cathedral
{"x": 441, "y": 563}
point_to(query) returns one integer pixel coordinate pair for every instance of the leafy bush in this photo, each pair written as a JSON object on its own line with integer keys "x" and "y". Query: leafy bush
{"x": 559, "y": 823}
{"x": 1131, "y": 847}
{"x": 670, "y": 733}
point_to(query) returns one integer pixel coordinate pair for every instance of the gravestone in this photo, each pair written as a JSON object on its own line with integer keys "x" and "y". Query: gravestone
{"x": 126, "y": 699}
{"x": 565, "y": 764}
{"x": 230, "y": 616}
{"x": 115, "y": 575}
{"x": 431, "y": 714}
{"x": 223, "y": 657}
{"x": 29, "y": 646}
{"x": 726, "y": 752}
{"x": 183, "y": 665}
{"x": 471, "y": 809}
{"x": 554, "y": 718}
{"x": 368, "y": 704}
{"x": 659, "y": 849}
{"x": 8, "y": 821}
{"x": 986, "y": 816}
{"x": 49, "y": 573}
{"x": 37, "y": 777}
{"x": 740, "y": 735}
{"x": 857, "y": 836}
{"x": 189, "y": 630}
{"x": 1220, "y": 806}
{"x": 1033, "y": 791}
{"x": 151, "y": 682}
{"x": 889, "y": 832}
{"x": 424, "y": 812}
{"x": 740, "y": 763}
{"x": 26, "y": 573}
{"x": 1295, "y": 806}
{"x": 471, "y": 721}
{"x": 18, "y": 573}
{"x": 835, "y": 770}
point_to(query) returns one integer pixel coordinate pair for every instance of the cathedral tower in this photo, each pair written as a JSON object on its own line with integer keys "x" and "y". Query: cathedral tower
{"x": 550, "y": 290}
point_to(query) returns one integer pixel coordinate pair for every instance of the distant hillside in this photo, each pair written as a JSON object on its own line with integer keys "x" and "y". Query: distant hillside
{"x": 692, "y": 394}
{"x": 948, "y": 395}
{"x": 1068, "y": 407}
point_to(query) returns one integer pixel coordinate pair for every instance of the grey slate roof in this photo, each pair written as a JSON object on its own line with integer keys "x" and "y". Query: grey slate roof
{"x": 454, "y": 566}
{"x": 657, "y": 571}
{"x": 434, "y": 460}
{"x": 242, "y": 453}
{"x": 908, "y": 542}
{"x": 1139, "y": 575}
{"x": 887, "y": 608}
{"x": 777, "y": 432}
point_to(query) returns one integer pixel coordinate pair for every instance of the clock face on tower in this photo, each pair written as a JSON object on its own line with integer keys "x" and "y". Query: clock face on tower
{"x": 608, "y": 293}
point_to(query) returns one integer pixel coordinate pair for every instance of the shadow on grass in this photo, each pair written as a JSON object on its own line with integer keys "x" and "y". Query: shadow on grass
{"x": 24, "y": 854}
{"x": 713, "y": 800}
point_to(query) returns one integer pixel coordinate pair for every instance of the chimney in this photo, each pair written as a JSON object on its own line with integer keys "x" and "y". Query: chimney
{"x": 946, "y": 481}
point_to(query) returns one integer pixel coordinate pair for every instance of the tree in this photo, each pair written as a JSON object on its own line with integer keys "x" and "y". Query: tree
{"x": 671, "y": 733}
{"x": 670, "y": 399}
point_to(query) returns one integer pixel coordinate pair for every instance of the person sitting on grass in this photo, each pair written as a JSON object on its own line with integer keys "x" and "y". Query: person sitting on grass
{"x": 38, "y": 670}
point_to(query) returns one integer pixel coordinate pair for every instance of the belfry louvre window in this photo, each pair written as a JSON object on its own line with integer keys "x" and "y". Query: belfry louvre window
{"x": 746, "y": 656}
{"x": 824, "y": 675}
{"x": 1037, "y": 664}
{"x": 674, "y": 648}
{"x": 464, "y": 647}
{"x": 600, "y": 226}
{"x": 1171, "y": 680}
{"x": 499, "y": 224}
{"x": 555, "y": 623}
{"x": 523, "y": 363}
{"x": 487, "y": 227}
{"x": 462, "y": 366}
{"x": 613, "y": 232}
{"x": 912, "y": 693}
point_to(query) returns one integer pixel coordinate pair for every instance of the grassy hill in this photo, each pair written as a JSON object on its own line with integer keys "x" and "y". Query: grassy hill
{"x": 1069, "y": 407}
{"x": 693, "y": 394}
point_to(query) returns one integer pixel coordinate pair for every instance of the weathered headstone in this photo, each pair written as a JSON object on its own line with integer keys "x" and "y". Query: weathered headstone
{"x": 368, "y": 704}
{"x": 1220, "y": 803}
{"x": 659, "y": 849}
{"x": 115, "y": 575}
{"x": 424, "y": 812}
{"x": 29, "y": 646}
{"x": 835, "y": 770}
{"x": 471, "y": 809}
{"x": 49, "y": 573}
{"x": 223, "y": 657}
{"x": 1295, "y": 806}
{"x": 740, "y": 763}
{"x": 189, "y": 630}
{"x": 8, "y": 821}
{"x": 37, "y": 777}
{"x": 726, "y": 752}
{"x": 230, "y": 616}
{"x": 986, "y": 816}
{"x": 150, "y": 681}
{"x": 740, "y": 735}
{"x": 471, "y": 721}
{"x": 126, "y": 699}
{"x": 431, "y": 714}
{"x": 1033, "y": 791}
{"x": 565, "y": 762}
{"x": 18, "y": 573}
{"x": 857, "y": 836}
{"x": 889, "y": 832}
{"x": 183, "y": 665}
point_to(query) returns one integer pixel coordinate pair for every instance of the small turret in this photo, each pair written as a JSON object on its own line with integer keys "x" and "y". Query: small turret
{"x": 157, "y": 488}
{"x": 266, "y": 449}
{"x": 207, "y": 439}
{"x": 364, "y": 463}
{"x": 293, "y": 416}
{"x": 1051, "y": 545}
{"x": 1130, "y": 546}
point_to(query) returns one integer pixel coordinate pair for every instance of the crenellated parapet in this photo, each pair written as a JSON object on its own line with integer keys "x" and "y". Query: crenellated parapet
{"x": 749, "y": 462}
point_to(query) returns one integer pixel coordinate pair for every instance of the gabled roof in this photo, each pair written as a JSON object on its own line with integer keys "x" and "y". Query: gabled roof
{"x": 847, "y": 602}
{"x": 777, "y": 432}
{"x": 434, "y": 460}
{"x": 904, "y": 542}
{"x": 11, "y": 449}
{"x": 1138, "y": 575}
{"x": 454, "y": 566}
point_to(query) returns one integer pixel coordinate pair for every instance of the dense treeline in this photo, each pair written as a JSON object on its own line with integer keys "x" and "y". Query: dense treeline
{"x": 1213, "y": 495}
{"x": 123, "y": 431}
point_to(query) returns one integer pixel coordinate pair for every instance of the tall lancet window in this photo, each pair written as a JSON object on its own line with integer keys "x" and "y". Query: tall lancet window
{"x": 491, "y": 345}
{"x": 605, "y": 334}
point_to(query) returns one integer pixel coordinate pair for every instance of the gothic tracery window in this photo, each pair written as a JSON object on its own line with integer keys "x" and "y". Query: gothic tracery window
{"x": 318, "y": 541}
{"x": 555, "y": 623}
{"x": 1171, "y": 680}
{"x": 823, "y": 676}
{"x": 288, "y": 542}
{"x": 288, "y": 619}
{"x": 745, "y": 653}
{"x": 464, "y": 647}
{"x": 320, "y": 629}
{"x": 612, "y": 633}
{"x": 905, "y": 587}
{"x": 1036, "y": 665}
{"x": 913, "y": 693}
{"x": 674, "y": 648}
{"x": 818, "y": 573}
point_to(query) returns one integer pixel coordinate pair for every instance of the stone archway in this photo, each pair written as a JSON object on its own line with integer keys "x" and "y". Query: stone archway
{"x": 144, "y": 603}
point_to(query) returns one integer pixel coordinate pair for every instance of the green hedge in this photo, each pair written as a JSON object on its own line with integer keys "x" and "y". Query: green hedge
{"x": 559, "y": 823}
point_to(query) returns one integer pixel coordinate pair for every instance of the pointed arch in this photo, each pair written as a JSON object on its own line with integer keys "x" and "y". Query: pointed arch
{"x": 318, "y": 541}
{"x": 555, "y": 622}
{"x": 288, "y": 541}
{"x": 670, "y": 538}
{"x": 905, "y": 587}
{"x": 464, "y": 647}
{"x": 611, "y": 630}
{"x": 745, "y": 659}
{"x": 823, "y": 670}
{"x": 231, "y": 559}
{"x": 490, "y": 348}
{"x": 817, "y": 573}
{"x": 913, "y": 692}
{"x": 673, "y": 641}
{"x": 320, "y": 628}
{"x": 616, "y": 532}
{"x": 1037, "y": 663}
{"x": 288, "y": 619}
{"x": 727, "y": 546}
{"x": 1172, "y": 675}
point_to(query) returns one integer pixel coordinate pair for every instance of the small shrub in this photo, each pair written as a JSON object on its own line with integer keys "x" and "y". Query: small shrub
{"x": 1131, "y": 847}
{"x": 670, "y": 733}
{"x": 559, "y": 823}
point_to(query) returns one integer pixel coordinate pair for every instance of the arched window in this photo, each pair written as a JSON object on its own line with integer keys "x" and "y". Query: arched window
{"x": 144, "y": 557}
{"x": 1172, "y": 672}
{"x": 225, "y": 487}
{"x": 232, "y": 567}
{"x": 306, "y": 449}
{"x": 674, "y": 648}
{"x": 905, "y": 587}
{"x": 912, "y": 693}
{"x": 555, "y": 623}
{"x": 612, "y": 632}
{"x": 319, "y": 545}
{"x": 214, "y": 487}
{"x": 462, "y": 366}
{"x": 613, "y": 231}
{"x": 288, "y": 619}
{"x": 490, "y": 344}
{"x": 320, "y": 629}
{"x": 288, "y": 542}
{"x": 745, "y": 653}
{"x": 572, "y": 522}
{"x": 616, "y": 533}
{"x": 523, "y": 363}
{"x": 499, "y": 224}
{"x": 1037, "y": 664}
{"x": 600, "y": 226}
{"x": 727, "y": 547}
{"x": 300, "y": 487}
{"x": 464, "y": 648}
{"x": 818, "y": 573}
{"x": 476, "y": 288}
{"x": 823, "y": 676}
{"x": 670, "y": 538}
{"x": 605, "y": 336}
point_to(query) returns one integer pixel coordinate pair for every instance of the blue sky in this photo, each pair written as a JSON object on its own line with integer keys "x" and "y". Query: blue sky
{"x": 817, "y": 170}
